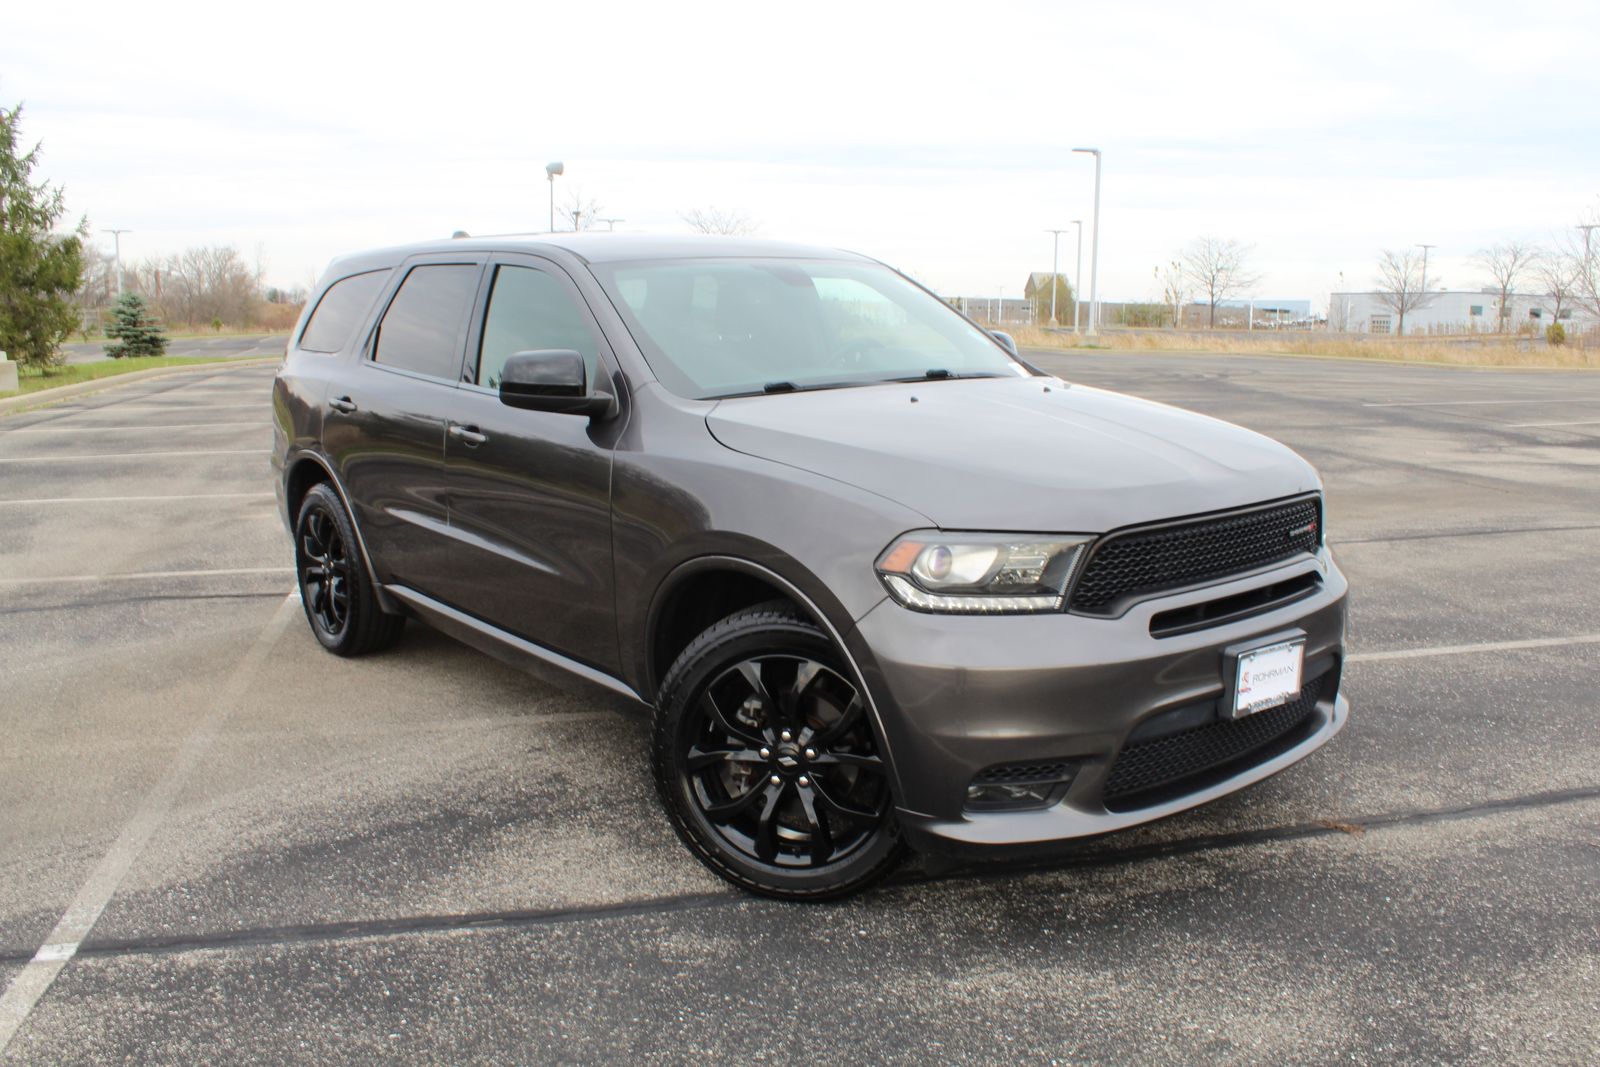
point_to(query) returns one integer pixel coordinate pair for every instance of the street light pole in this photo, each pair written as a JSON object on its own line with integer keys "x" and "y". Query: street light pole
{"x": 1077, "y": 280}
{"x": 1094, "y": 248}
{"x": 116, "y": 235}
{"x": 611, "y": 224}
{"x": 1425, "y": 266}
{"x": 550, "y": 171}
{"x": 1055, "y": 271}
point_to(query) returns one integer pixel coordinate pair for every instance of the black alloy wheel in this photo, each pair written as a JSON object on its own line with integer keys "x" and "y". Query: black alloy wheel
{"x": 767, "y": 760}
{"x": 334, "y": 589}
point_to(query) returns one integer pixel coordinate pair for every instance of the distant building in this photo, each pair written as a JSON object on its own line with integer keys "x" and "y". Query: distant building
{"x": 1450, "y": 312}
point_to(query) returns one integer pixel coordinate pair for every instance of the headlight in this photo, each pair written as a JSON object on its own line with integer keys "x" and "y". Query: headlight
{"x": 980, "y": 573}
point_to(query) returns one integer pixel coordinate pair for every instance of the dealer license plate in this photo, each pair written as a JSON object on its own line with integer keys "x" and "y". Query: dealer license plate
{"x": 1268, "y": 676}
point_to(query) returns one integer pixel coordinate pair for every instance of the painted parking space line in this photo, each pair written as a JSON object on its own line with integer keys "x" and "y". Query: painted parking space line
{"x": 37, "y": 975}
{"x": 1461, "y": 650}
{"x": 1466, "y": 403}
{"x": 254, "y": 423}
{"x": 1531, "y": 425}
{"x": 137, "y": 455}
{"x": 129, "y": 576}
{"x": 43, "y": 500}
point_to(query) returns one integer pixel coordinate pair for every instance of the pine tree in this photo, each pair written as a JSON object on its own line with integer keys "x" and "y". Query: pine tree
{"x": 39, "y": 268}
{"x": 133, "y": 330}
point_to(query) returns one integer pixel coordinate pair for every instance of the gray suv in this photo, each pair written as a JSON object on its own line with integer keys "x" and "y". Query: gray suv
{"x": 880, "y": 583}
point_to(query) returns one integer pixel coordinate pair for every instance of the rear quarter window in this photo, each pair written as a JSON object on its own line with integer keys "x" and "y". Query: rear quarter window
{"x": 340, "y": 311}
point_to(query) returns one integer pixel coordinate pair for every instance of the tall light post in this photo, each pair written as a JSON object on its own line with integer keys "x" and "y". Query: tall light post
{"x": 1055, "y": 258}
{"x": 1425, "y": 266}
{"x": 550, "y": 171}
{"x": 1077, "y": 280}
{"x": 116, "y": 236}
{"x": 611, "y": 224}
{"x": 1094, "y": 248}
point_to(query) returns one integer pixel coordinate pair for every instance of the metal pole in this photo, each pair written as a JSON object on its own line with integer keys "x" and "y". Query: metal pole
{"x": 1077, "y": 281}
{"x": 116, "y": 235}
{"x": 1094, "y": 249}
{"x": 1055, "y": 270}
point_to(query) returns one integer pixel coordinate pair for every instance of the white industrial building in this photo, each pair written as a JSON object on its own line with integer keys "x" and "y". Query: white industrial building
{"x": 1451, "y": 312}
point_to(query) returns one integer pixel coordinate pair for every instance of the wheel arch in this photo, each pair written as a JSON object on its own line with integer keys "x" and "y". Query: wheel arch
{"x": 306, "y": 469}
{"x": 672, "y": 621}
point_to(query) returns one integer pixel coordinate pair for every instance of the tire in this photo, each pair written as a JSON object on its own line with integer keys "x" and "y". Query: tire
{"x": 335, "y": 589}
{"x": 766, "y": 760}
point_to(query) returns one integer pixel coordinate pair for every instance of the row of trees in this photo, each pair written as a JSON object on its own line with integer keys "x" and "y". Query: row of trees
{"x": 1565, "y": 276}
{"x": 211, "y": 285}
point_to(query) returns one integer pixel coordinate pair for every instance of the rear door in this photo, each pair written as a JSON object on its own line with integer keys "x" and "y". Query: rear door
{"x": 384, "y": 426}
{"x": 530, "y": 491}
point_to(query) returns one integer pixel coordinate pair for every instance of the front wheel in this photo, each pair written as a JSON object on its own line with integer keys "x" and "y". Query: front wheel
{"x": 338, "y": 597}
{"x": 766, "y": 760}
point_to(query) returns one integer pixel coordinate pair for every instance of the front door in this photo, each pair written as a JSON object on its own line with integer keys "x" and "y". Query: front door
{"x": 530, "y": 491}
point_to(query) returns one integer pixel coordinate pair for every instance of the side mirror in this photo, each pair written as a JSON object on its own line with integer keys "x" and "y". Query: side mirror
{"x": 1006, "y": 341}
{"x": 552, "y": 379}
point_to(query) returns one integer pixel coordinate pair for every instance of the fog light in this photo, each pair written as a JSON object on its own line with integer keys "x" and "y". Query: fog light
{"x": 1020, "y": 786}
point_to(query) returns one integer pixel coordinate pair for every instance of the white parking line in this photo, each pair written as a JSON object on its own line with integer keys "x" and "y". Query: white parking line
{"x": 1465, "y": 403}
{"x": 152, "y": 426}
{"x": 75, "y": 924}
{"x": 133, "y": 455}
{"x": 1460, "y": 650}
{"x": 1528, "y": 425}
{"x": 131, "y": 499}
{"x": 74, "y": 579}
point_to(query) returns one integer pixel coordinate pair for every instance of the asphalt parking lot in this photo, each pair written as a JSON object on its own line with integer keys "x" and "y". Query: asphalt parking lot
{"x": 219, "y": 843}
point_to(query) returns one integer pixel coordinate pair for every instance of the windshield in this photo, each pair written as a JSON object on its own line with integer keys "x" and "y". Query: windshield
{"x": 727, "y": 327}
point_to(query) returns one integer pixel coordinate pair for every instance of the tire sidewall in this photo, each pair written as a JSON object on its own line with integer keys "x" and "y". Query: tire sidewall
{"x": 322, "y": 498}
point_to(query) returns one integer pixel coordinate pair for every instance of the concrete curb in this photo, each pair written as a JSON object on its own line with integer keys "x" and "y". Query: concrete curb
{"x": 45, "y": 397}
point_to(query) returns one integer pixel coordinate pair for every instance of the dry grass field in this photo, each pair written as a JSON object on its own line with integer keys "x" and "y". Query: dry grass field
{"x": 1476, "y": 351}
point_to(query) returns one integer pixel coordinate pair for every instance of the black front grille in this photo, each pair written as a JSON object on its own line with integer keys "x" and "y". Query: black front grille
{"x": 1147, "y": 772}
{"x": 1174, "y": 555}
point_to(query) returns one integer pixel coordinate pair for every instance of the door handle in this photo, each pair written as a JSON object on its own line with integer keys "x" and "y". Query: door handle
{"x": 468, "y": 435}
{"x": 342, "y": 403}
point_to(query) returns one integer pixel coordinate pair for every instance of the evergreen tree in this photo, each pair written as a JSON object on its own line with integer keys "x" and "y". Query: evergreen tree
{"x": 39, "y": 268}
{"x": 133, "y": 330}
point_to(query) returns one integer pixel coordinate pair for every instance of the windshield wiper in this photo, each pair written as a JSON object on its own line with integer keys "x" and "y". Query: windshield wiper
{"x": 780, "y": 387}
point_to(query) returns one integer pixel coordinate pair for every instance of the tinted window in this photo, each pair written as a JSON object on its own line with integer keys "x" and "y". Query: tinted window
{"x": 420, "y": 330}
{"x": 530, "y": 309}
{"x": 340, "y": 311}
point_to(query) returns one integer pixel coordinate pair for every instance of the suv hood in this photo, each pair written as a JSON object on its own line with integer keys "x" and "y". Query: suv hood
{"x": 1016, "y": 454}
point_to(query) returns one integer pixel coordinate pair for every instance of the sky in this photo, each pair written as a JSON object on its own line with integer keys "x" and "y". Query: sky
{"x": 936, "y": 137}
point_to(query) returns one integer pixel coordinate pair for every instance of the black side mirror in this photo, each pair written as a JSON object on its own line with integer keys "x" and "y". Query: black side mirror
{"x": 552, "y": 379}
{"x": 1006, "y": 341}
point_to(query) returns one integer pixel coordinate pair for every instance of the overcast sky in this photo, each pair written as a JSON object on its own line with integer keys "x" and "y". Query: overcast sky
{"x": 935, "y": 137}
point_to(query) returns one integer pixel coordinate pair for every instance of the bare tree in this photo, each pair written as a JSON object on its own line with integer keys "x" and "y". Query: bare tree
{"x": 1557, "y": 277}
{"x": 580, "y": 210}
{"x": 205, "y": 285}
{"x": 716, "y": 220}
{"x": 1505, "y": 263}
{"x": 1583, "y": 254}
{"x": 1400, "y": 284}
{"x": 1174, "y": 289}
{"x": 1218, "y": 270}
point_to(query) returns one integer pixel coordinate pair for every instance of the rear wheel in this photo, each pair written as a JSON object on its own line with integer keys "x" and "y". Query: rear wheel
{"x": 767, "y": 763}
{"x": 337, "y": 595}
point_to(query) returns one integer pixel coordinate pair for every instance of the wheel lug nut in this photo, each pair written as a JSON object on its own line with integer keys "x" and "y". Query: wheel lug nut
{"x": 786, "y": 736}
{"x": 804, "y": 780}
{"x": 766, "y": 753}
{"x": 775, "y": 780}
{"x": 811, "y": 753}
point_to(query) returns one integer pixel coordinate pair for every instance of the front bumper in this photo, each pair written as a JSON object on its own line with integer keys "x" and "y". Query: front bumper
{"x": 956, "y": 695}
